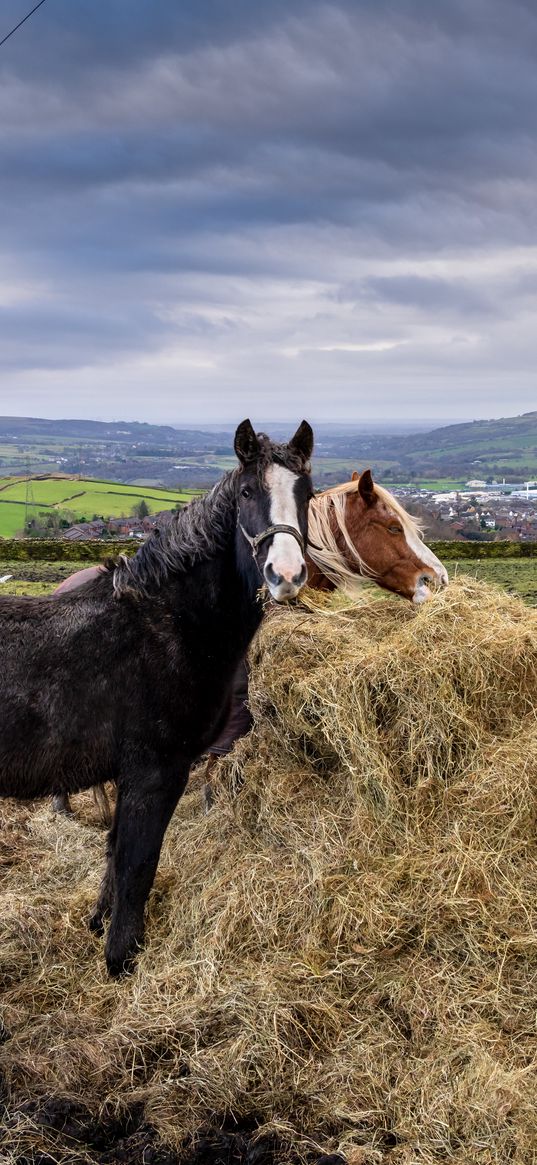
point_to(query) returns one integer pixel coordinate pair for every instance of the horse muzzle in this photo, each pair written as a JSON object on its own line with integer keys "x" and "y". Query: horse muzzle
{"x": 285, "y": 570}
{"x": 427, "y": 582}
{"x": 286, "y": 585}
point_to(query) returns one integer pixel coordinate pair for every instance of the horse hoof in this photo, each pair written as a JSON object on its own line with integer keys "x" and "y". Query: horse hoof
{"x": 96, "y": 923}
{"x": 61, "y": 804}
{"x": 120, "y": 968}
{"x": 121, "y": 957}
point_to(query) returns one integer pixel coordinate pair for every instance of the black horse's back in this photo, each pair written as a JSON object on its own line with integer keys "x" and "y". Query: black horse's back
{"x": 56, "y": 692}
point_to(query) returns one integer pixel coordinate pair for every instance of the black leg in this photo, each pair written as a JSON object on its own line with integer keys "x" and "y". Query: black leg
{"x": 145, "y": 810}
{"x": 207, "y": 790}
{"x": 105, "y": 901}
{"x": 62, "y": 804}
{"x": 100, "y": 797}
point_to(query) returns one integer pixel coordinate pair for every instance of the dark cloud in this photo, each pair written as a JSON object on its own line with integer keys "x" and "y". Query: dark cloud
{"x": 60, "y": 335}
{"x": 120, "y": 34}
{"x": 319, "y": 191}
{"x": 459, "y": 297}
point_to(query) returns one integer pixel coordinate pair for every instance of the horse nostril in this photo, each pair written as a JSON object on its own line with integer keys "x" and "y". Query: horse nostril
{"x": 273, "y": 579}
{"x": 300, "y": 578}
{"x": 433, "y": 579}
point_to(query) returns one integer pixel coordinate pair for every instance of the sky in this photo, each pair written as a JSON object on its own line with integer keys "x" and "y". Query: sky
{"x": 217, "y": 208}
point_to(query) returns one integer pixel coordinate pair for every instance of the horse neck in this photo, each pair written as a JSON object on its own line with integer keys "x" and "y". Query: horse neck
{"x": 221, "y": 590}
{"x": 194, "y": 535}
{"x": 201, "y": 572}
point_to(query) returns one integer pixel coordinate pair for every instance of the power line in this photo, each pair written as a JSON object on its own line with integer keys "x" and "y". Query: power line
{"x": 27, "y": 17}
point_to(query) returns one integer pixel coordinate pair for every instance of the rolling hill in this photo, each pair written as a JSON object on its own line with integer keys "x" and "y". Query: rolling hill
{"x": 510, "y": 440}
{"x": 143, "y": 455}
{"x": 82, "y": 497}
{"x": 506, "y": 447}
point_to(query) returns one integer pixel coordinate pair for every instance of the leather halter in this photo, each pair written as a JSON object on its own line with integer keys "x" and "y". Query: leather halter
{"x": 255, "y": 543}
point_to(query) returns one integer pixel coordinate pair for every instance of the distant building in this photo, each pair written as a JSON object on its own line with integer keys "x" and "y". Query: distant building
{"x": 116, "y": 527}
{"x": 83, "y": 531}
{"x": 529, "y": 491}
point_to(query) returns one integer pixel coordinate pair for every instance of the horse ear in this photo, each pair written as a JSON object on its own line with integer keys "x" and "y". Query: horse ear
{"x": 366, "y": 487}
{"x": 355, "y": 475}
{"x": 246, "y": 445}
{"x": 303, "y": 440}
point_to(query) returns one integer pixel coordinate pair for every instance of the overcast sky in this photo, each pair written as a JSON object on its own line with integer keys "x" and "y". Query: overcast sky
{"x": 219, "y": 208}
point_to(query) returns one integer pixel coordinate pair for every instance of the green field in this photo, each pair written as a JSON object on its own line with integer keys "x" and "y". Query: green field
{"x": 35, "y": 578}
{"x": 83, "y": 497}
{"x": 439, "y": 484}
{"x": 477, "y": 448}
{"x": 516, "y": 575}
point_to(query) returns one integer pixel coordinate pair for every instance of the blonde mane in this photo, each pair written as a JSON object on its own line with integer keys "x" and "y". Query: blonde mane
{"x": 322, "y": 546}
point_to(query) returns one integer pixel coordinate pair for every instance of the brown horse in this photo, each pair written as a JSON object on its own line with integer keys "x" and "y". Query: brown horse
{"x": 358, "y": 530}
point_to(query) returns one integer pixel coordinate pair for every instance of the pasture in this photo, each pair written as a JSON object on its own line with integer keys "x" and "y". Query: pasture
{"x": 341, "y": 955}
{"x": 82, "y": 497}
{"x": 517, "y": 576}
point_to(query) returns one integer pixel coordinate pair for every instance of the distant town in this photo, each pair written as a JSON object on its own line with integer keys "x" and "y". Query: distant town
{"x": 479, "y": 512}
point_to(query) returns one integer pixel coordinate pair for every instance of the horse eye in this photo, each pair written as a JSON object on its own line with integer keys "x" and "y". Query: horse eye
{"x": 395, "y": 529}
{"x": 245, "y": 492}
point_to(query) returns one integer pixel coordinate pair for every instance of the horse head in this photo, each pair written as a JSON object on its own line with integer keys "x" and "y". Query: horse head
{"x": 359, "y": 529}
{"x": 273, "y": 491}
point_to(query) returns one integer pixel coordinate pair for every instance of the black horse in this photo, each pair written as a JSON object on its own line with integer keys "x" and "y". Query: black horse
{"x": 129, "y": 676}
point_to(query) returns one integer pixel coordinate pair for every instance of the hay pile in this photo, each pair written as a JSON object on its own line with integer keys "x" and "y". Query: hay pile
{"x": 342, "y": 956}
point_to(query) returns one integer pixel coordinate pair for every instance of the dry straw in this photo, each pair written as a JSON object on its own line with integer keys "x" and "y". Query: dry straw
{"x": 344, "y": 950}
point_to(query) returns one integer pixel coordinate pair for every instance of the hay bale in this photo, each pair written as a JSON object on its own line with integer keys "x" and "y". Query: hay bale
{"x": 342, "y": 954}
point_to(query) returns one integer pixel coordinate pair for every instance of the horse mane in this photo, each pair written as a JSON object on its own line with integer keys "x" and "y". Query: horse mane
{"x": 192, "y": 535}
{"x": 322, "y": 546}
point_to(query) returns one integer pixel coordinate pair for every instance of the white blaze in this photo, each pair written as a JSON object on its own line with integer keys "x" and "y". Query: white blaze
{"x": 422, "y": 592}
{"x": 285, "y": 555}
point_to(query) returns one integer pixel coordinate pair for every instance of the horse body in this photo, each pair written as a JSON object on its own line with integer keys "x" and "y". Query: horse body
{"x": 129, "y": 676}
{"x": 55, "y": 685}
{"x": 72, "y": 695}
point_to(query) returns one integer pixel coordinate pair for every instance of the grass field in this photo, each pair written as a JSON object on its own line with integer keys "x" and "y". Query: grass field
{"x": 441, "y": 484}
{"x": 34, "y": 578}
{"x": 516, "y": 575}
{"x": 83, "y": 497}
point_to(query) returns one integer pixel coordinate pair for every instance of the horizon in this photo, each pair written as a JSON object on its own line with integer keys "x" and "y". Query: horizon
{"x": 374, "y": 423}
